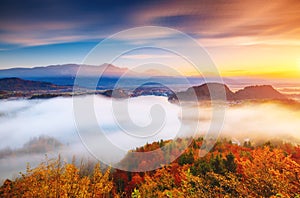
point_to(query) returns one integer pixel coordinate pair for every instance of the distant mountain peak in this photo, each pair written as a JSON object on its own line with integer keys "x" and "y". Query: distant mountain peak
{"x": 66, "y": 70}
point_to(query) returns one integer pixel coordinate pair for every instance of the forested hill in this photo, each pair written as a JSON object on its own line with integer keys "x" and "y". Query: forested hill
{"x": 228, "y": 170}
{"x": 18, "y": 84}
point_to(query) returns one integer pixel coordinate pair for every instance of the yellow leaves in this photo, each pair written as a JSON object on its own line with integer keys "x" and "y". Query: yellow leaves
{"x": 100, "y": 183}
{"x": 268, "y": 172}
{"x": 57, "y": 179}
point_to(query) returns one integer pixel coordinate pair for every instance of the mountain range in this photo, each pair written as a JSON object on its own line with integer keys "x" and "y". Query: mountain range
{"x": 67, "y": 70}
{"x": 60, "y": 79}
{"x": 16, "y": 87}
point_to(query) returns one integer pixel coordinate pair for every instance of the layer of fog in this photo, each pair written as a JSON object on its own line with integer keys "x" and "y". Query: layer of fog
{"x": 257, "y": 122}
{"x": 21, "y": 120}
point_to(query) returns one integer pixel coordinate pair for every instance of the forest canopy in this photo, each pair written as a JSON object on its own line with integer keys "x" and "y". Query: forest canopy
{"x": 228, "y": 170}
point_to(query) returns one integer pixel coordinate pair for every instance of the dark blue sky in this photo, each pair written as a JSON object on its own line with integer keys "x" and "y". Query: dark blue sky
{"x": 36, "y": 32}
{"x": 33, "y": 22}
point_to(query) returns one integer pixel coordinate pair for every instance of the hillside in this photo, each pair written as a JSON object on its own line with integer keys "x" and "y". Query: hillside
{"x": 20, "y": 88}
{"x": 42, "y": 144}
{"x": 203, "y": 93}
{"x": 258, "y": 92}
{"x": 17, "y": 84}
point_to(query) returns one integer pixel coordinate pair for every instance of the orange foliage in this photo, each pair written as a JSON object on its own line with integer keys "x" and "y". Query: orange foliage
{"x": 269, "y": 172}
{"x": 57, "y": 179}
{"x": 228, "y": 170}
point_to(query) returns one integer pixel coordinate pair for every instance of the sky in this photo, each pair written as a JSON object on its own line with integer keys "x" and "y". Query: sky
{"x": 243, "y": 38}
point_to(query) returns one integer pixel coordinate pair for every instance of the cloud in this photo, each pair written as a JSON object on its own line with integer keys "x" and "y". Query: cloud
{"x": 217, "y": 20}
{"x": 22, "y": 120}
{"x": 49, "y": 21}
{"x": 31, "y": 40}
{"x": 65, "y": 21}
{"x": 146, "y": 56}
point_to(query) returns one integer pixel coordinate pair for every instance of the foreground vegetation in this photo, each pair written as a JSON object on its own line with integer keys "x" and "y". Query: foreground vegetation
{"x": 228, "y": 170}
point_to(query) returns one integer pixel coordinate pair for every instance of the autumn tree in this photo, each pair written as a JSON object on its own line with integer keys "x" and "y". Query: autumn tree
{"x": 269, "y": 172}
{"x": 55, "y": 178}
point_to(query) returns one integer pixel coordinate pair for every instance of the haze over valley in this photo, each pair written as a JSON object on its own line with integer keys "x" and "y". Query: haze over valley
{"x": 22, "y": 120}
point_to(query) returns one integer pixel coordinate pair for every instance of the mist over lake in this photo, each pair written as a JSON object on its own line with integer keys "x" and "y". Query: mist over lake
{"x": 22, "y": 120}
